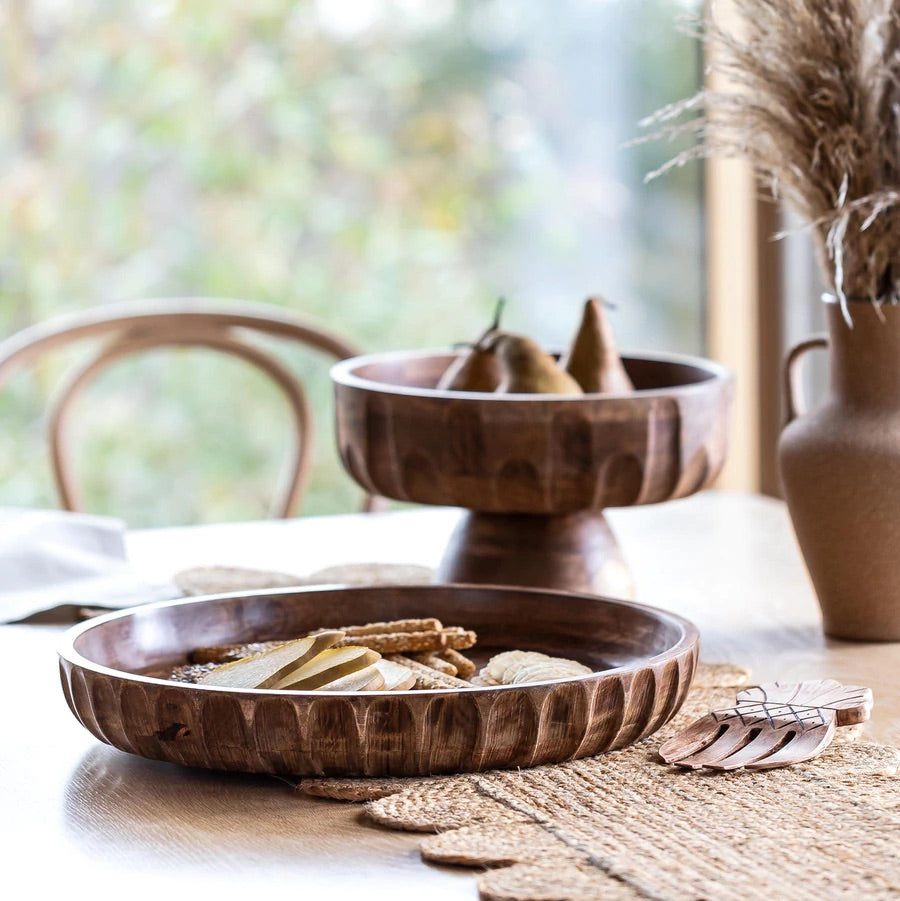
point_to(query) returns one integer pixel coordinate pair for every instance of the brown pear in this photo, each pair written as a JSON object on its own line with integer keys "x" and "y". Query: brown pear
{"x": 477, "y": 369}
{"x": 527, "y": 369}
{"x": 593, "y": 360}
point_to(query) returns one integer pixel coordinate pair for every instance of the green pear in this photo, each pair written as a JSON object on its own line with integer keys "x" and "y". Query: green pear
{"x": 593, "y": 360}
{"x": 527, "y": 369}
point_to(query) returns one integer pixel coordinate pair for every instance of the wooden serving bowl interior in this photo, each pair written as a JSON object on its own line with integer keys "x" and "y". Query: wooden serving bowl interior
{"x": 114, "y": 670}
{"x": 400, "y": 437}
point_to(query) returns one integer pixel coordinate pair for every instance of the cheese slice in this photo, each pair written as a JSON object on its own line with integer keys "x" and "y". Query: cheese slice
{"x": 266, "y": 669}
{"x": 331, "y": 664}
{"x": 397, "y": 677}
{"x": 366, "y": 679}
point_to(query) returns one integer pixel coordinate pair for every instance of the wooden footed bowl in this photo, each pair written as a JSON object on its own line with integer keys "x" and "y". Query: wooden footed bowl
{"x": 113, "y": 672}
{"x": 400, "y": 437}
{"x": 534, "y": 470}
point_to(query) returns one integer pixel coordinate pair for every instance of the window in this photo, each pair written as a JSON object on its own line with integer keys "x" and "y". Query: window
{"x": 387, "y": 167}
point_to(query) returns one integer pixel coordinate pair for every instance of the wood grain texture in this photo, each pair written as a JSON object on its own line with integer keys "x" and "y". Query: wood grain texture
{"x": 536, "y": 454}
{"x": 117, "y": 825}
{"x": 575, "y": 552}
{"x": 644, "y": 659}
{"x": 534, "y": 470}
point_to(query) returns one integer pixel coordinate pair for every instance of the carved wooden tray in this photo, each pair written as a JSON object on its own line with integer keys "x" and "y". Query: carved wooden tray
{"x": 644, "y": 661}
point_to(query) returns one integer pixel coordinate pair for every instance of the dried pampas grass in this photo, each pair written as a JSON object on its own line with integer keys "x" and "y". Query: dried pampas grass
{"x": 812, "y": 101}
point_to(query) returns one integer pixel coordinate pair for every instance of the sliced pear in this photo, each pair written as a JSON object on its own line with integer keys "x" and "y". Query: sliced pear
{"x": 331, "y": 664}
{"x": 396, "y": 676}
{"x": 366, "y": 679}
{"x": 266, "y": 669}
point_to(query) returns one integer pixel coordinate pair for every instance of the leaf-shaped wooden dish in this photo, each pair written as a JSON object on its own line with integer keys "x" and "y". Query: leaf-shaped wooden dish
{"x": 771, "y": 726}
{"x": 114, "y": 667}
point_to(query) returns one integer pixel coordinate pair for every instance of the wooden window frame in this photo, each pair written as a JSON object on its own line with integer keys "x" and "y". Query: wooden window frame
{"x": 744, "y": 314}
{"x": 744, "y": 328}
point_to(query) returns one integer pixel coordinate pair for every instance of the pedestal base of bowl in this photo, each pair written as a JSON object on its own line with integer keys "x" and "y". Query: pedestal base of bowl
{"x": 540, "y": 455}
{"x": 576, "y": 552}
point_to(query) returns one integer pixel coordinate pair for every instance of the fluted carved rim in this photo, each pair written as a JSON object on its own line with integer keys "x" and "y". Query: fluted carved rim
{"x": 346, "y": 373}
{"x": 688, "y": 637}
{"x": 381, "y": 733}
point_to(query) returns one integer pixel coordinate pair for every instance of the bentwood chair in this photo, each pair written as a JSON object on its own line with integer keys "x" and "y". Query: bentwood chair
{"x": 133, "y": 327}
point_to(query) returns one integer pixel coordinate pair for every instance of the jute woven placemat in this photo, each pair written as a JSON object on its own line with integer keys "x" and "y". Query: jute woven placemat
{"x": 624, "y": 826}
{"x": 200, "y": 580}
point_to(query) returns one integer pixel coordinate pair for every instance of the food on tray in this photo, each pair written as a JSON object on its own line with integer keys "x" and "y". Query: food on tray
{"x": 406, "y": 642}
{"x": 331, "y": 664}
{"x": 394, "y": 637}
{"x": 226, "y": 653}
{"x": 503, "y": 362}
{"x": 520, "y": 667}
{"x": 431, "y": 658}
{"x": 426, "y": 677}
{"x": 369, "y": 678}
{"x": 428, "y": 624}
{"x": 268, "y": 669}
{"x": 192, "y": 672}
{"x": 465, "y": 668}
{"x": 396, "y": 655}
{"x": 396, "y": 676}
{"x": 353, "y": 660}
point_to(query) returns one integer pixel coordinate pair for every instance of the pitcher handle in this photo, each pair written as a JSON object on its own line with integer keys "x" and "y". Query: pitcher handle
{"x": 793, "y": 394}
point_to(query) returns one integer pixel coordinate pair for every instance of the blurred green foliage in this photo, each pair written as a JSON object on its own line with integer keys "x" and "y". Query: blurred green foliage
{"x": 386, "y": 168}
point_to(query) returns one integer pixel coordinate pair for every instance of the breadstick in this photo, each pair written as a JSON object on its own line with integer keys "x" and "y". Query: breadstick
{"x": 429, "y": 624}
{"x": 396, "y": 636}
{"x": 412, "y": 642}
{"x": 227, "y": 653}
{"x": 465, "y": 668}
{"x": 426, "y": 677}
{"x": 395, "y": 642}
{"x": 458, "y": 639}
{"x": 430, "y": 658}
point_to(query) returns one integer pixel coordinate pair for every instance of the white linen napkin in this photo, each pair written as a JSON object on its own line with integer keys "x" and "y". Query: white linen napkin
{"x": 51, "y": 558}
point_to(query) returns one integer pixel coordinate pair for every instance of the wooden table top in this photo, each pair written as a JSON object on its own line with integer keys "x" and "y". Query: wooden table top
{"x": 93, "y": 821}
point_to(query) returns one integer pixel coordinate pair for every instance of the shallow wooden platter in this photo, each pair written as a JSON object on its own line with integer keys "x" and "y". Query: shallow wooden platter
{"x": 644, "y": 660}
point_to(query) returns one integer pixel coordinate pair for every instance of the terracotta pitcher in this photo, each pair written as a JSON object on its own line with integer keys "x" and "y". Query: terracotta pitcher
{"x": 840, "y": 470}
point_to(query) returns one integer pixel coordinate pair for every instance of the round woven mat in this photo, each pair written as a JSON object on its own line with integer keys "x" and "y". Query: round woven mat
{"x": 200, "y": 580}
{"x": 624, "y": 826}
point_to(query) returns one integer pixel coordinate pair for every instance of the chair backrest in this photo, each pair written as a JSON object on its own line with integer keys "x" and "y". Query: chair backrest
{"x": 136, "y": 326}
